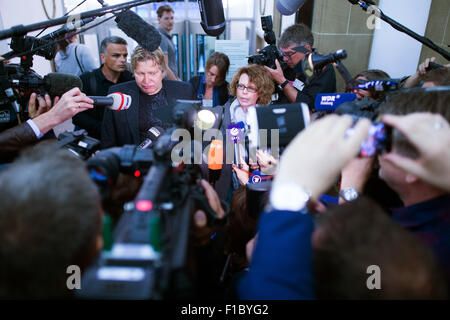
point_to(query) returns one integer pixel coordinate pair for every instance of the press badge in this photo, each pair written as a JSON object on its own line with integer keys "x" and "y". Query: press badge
{"x": 299, "y": 85}
{"x": 207, "y": 103}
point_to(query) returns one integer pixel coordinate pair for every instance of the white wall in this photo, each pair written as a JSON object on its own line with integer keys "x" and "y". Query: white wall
{"x": 28, "y": 12}
{"x": 395, "y": 52}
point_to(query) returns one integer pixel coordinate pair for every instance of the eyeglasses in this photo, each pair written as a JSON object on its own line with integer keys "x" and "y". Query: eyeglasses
{"x": 288, "y": 55}
{"x": 242, "y": 87}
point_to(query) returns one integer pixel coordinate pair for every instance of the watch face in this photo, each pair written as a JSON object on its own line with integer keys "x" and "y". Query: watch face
{"x": 350, "y": 194}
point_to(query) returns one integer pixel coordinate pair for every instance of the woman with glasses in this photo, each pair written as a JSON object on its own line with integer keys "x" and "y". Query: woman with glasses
{"x": 211, "y": 88}
{"x": 251, "y": 86}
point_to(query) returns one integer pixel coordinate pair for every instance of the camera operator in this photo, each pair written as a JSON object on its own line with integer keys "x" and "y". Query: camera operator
{"x": 295, "y": 43}
{"x": 29, "y": 132}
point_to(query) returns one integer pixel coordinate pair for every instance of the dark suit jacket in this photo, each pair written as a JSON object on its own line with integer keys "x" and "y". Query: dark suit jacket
{"x": 15, "y": 139}
{"x": 122, "y": 127}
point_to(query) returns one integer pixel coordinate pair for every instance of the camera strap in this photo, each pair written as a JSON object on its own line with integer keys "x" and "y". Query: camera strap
{"x": 78, "y": 61}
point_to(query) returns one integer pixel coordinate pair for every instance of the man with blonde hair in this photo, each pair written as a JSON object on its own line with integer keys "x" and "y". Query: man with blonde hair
{"x": 153, "y": 98}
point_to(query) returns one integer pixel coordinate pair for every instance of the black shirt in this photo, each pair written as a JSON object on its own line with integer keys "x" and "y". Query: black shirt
{"x": 149, "y": 105}
{"x": 323, "y": 82}
{"x": 95, "y": 84}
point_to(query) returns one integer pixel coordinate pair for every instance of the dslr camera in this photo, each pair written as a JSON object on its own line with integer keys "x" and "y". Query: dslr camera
{"x": 270, "y": 53}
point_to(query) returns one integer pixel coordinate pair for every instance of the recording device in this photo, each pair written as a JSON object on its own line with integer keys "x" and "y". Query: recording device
{"x": 433, "y": 65}
{"x": 379, "y": 140}
{"x": 380, "y": 85}
{"x": 116, "y": 101}
{"x": 314, "y": 62}
{"x": 289, "y": 7}
{"x": 151, "y": 239}
{"x": 55, "y": 84}
{"x": 18, "y": 83}
{"x": 146, "y": 35}
{"x": 270, "y": 53}
{"x": 79, "y": 143}
{"x": 213, "y": 19}
{"x": 151, "y": 136}
{"x": 274, "y": 126}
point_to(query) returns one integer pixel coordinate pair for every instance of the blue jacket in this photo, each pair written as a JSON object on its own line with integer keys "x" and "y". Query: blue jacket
{"x": 281, "y": 266}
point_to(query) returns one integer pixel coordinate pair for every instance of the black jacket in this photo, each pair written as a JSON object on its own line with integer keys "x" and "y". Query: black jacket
{"x": 122, "y": 127}
{"x": 95, "y": 84}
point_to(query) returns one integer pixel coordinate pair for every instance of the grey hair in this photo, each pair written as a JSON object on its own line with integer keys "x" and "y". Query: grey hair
{"x": 297, "y": 34}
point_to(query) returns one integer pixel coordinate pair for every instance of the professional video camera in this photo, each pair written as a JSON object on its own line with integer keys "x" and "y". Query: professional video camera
{"x": 79, "y": 143}
{"x": 149, "y": 256}
{"x": 270, "y": 53}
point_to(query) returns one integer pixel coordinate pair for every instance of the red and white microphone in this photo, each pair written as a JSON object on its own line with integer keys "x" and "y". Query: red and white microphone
{"x": 116, "y": 101}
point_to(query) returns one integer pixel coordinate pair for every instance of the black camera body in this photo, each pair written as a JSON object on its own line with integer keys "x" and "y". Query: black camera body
{"x": 270, "y": 53}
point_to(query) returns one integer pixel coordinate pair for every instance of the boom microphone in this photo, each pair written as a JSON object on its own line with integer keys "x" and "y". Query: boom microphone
{"x": 115, "y": 101}
{"x": 289, "y": 7}
{"x": 67, "y": 28}
{"x": 135, "y": 27}
{"x": 213, "y": 18}
{"x": 56, "y": 84}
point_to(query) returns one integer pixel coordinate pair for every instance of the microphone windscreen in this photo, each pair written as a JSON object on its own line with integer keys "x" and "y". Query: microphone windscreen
{"x": 215, "y": 155}
{"x": 121, "y": 101}
{"x": 146, "y": 35}
{"x": 289, "y": 7}
{"x": 60, "y": 83}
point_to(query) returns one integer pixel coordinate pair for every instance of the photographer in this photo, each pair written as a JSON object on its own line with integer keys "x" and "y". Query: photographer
{"x": 14, "y": 139}
{"x": 299, "y": 257}
{"x": 295, "y": 43}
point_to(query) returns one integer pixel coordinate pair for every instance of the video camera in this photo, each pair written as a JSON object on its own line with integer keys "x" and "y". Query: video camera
{"x": 149, "y": 256}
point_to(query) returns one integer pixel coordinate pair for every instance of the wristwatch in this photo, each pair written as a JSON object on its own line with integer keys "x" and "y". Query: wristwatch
{"x": 281, "y": 86}
{"x": 349, "y": 194}
{"x": 289, "y": 196}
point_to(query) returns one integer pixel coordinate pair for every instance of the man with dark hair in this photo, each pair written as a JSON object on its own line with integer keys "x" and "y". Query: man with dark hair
{"x": 355, "y": 241}
{"x": 52, "y": 220}
{"x": 166, "y": 22}
{"x": 113, "y": 52}
{"x": 296, "y": 43}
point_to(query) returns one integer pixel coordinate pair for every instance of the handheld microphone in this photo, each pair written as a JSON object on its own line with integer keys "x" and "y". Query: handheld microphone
{"x": 330, "y": 101}
{"x": 115, "y": 101}
{"x": 213, "y": 18}
{"x": 152, "y": 135}
{"x": 146, "y": 35}
{"x": 380, "y": 85}
{"x": 215, "y": 155}
{"x": 56, "y": 84}
{"x": 289, "y": 7}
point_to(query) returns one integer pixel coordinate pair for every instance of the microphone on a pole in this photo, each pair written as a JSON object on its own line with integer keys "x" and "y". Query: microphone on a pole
{"x": 146, "y": 35}
{"x": 213, "y": 18}
{"x": 289, "y": 7}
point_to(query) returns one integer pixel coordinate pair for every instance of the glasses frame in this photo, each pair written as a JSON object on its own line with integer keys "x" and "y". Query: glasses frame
{"x": 241, "y": 87}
